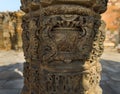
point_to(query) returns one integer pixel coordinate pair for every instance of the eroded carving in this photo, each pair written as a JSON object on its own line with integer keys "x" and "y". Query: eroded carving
{"x": 62, "y": 44}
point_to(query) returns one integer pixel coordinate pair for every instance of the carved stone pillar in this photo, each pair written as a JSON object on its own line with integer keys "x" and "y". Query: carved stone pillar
{"x": 62, "y": 44}
{"x": 1, "y": 31}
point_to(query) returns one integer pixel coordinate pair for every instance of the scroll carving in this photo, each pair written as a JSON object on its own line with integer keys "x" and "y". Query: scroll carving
{"x": 62, "y": 44}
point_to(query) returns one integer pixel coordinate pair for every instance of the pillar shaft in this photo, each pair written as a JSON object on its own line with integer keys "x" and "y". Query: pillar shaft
{"x": 62, "y": 44}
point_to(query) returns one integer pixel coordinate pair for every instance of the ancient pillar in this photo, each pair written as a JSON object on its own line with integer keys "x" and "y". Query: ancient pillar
{"x": 62, "y": 44}
{"x": 19, "y": 15}
{"x": 1, "y": 31}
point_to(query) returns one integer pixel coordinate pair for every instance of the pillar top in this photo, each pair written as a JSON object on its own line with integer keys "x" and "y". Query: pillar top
{"x": 99, "y": 6}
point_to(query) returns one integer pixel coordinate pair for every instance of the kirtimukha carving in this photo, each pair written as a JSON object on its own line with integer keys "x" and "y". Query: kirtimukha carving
{"x": 62, "y": 44}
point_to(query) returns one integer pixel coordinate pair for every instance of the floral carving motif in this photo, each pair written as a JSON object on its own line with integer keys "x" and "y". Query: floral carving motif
{"x": 62, "y": 45}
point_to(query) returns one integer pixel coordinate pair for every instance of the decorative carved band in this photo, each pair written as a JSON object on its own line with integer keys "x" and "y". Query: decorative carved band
{"x": 62, "y": 44}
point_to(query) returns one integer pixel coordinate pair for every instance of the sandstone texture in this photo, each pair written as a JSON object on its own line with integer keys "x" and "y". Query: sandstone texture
{"x": 10, "y": 30}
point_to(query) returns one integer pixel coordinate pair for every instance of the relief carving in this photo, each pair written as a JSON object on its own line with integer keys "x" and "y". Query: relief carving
{"x": 62, "y": 44}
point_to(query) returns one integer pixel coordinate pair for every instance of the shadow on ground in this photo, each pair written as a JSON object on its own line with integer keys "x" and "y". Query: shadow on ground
{"x": 11, "y": 78}
{"x": 110, "y": 77}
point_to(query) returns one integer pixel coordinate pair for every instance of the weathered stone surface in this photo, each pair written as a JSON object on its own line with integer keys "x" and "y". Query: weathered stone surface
{"x": 62, "y": 44}
{"x": 10, "y": 30}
